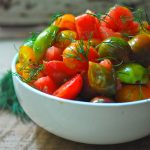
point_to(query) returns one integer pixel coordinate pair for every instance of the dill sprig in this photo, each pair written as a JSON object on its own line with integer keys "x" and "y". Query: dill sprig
{"x": 33, "y": 72}
{"x": 8, "y": 98}
{"x": 59, "y": 37}
{"x": 100, "y": 16}
{"x": 140, "y": 15}
{"x": 30, "y": 41}
{"x": 111, "y": 43}
{"x": 54, "y": 17}
{"x": 81, "y": 52}
{"x": 147, "y": 17}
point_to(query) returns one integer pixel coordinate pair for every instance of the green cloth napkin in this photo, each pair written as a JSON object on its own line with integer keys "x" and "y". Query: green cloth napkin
{"x": 8, "y": 98}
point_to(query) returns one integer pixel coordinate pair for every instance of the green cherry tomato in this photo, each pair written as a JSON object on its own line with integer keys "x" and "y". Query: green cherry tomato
{"x": 140, "y": 45}
{"x": 44, "y": 40}
{"x": 101, "y": 79}
{"x": 116, "y": 49}
{"x": 133, "y": 74}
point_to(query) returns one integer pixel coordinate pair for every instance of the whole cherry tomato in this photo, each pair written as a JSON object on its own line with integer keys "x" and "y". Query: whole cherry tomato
{"x": 77, "y": 55}
{"x": 140, "y": 45}
{"x": 116, "y": 49}
{"x": 120, "y": 19}
{"x": 133, "y": 73}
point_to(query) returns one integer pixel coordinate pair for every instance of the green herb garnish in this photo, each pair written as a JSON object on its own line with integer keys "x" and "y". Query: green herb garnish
{"x": 54, "y": 17}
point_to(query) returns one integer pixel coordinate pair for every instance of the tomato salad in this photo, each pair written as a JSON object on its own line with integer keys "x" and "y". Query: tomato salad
{"x": 91, "y": 57}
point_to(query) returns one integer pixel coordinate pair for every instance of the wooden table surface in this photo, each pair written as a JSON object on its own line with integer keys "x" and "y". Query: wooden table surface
{"x": 17, "y": 135}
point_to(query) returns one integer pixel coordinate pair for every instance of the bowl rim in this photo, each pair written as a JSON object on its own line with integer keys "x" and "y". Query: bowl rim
{"x": 62, "y": 100}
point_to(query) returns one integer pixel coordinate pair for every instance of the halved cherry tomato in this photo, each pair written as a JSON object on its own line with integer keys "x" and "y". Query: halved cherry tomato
{"x": 45, "y": 84}
{"x": 58, "y": 71}
{"x": 53, "y": 53}
{"x": 66, "y": 21}
{"x": 130, "y": 93}
{"x": 71, "y": 88}
{"x": 101, "y": 79}
{"x": 65, "y": 38}
{"x": 77, "y": 55}
{"x": 87, "y": 27}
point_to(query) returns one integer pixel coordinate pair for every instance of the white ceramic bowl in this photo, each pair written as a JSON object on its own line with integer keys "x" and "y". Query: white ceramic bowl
{"x": 84, "y": 122}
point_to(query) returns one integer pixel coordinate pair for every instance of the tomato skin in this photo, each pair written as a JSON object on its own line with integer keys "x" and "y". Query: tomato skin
{"x": 71, "y": 88}
{"x": 129, "y": 93}
{"x": 87, "y": 26}
{"x": 107, "y": 64}
{"x": 132, "y": 73}
{"x": 45, "y": 84}
{"x": 140, "y": 46}
{"x": 78, "y": 61}
{"x": 26, "y": 55}
{"x": 120, "y": 19}
{"x": 53, "y": 53}
{"x": 64, "y": 38}
{"x": 58, "y": 71}
{"x": 101, "y": 79}
{"x": 66, "y": 21}
{"x": 107, "y": 32}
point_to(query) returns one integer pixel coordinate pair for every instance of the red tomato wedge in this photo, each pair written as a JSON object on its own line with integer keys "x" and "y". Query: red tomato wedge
{"x": 71, "y": 88}
{"x": 58, "y": 71}
{"x": 87, "y": 26}
{"x": 120, "y": 19}
{"x": 45, "y": 84}
{"x": 53, "y": 53}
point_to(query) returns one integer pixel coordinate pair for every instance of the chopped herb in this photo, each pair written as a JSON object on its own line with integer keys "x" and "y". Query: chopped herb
{"x": 54, "y": 17}
{"x": 82, "y": 51}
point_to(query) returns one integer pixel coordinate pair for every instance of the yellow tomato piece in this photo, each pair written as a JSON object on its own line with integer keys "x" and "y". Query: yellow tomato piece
{"x": 22, "y": 70}
{"x": 26, "y": 55}
{"x": 19, "y": 68}
{"x": 66, "y": 21}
